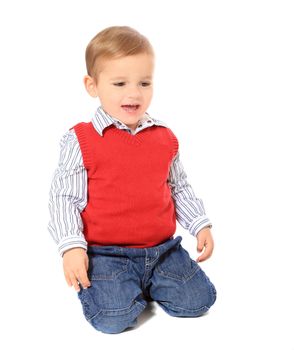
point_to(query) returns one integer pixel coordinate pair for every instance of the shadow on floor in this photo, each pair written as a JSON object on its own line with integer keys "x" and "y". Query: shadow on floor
{"x": 147, "y": 314}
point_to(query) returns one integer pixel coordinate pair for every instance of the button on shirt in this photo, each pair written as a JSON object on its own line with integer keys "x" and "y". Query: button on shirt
{"x": 68, "y": 194}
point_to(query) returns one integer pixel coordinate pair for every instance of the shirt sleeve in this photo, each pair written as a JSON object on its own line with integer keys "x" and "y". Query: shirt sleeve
{"x": 68, "y": 196}
{"x": 190, "y": 212}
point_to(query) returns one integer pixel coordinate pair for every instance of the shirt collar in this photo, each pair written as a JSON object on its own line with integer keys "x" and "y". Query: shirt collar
{"x": 102, "y": 120}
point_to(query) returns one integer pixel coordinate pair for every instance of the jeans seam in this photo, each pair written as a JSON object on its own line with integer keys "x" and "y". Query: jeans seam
{"x": 113, "y": 276}
{"x": 129, "y": 309}
{"x": 178, "y": 278}
{"x": 175, "y": 308}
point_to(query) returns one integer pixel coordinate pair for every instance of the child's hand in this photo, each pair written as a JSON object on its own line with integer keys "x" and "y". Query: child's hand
{"x": 205, "y": 240}
{"x": 75, "y": 267}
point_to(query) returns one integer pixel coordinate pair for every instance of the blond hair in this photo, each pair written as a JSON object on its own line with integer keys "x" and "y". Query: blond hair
{"x": 114, "y": 42}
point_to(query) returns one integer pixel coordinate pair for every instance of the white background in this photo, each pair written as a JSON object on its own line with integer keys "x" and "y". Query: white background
{"x": 224, "y": 83}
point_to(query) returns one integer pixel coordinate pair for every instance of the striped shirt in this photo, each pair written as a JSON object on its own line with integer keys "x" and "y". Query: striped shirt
{"x": 68, "y": 193}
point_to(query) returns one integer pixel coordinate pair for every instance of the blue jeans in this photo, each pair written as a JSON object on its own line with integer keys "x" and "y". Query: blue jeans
{"x": 123, "y": 279}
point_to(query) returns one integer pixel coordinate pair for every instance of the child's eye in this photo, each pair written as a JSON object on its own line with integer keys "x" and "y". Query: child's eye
{"x": 145, "y": 83}
{"x": 121, "y": 83}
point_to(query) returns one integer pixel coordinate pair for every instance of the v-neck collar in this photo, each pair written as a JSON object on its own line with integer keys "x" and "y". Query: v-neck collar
{"x": 135, "y": 139}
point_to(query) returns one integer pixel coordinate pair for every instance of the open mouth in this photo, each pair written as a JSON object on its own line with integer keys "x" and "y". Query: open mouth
{"x": 130, "y": 108}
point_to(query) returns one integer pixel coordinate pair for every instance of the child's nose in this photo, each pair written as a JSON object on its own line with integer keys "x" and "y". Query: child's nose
{"x": 134, "y": 91}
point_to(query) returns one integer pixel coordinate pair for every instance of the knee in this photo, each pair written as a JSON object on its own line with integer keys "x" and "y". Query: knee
{"x": 208, "y": 296}
{"x": 116, "y": 321}
{"x": 193, "y": 301}
{"x": 112, "y": 324}
{"x": 204, "y": 297}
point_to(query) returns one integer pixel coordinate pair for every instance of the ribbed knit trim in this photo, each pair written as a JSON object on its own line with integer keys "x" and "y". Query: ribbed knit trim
{"x": 174, "y": 142}
{"x": 80, "y": 132}
{"x": 137, "y": 139}
{"x": 133, "y": 139}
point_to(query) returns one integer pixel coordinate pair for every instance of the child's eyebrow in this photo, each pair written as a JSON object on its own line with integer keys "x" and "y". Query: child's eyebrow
{"x": 118, "y": 78}
{"x": 124, "y": 78}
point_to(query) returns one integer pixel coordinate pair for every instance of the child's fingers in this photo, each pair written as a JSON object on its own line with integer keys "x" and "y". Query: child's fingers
{"x": 74, "y": 282}
{"x": 200, "y": 247}
{"x": 75, "y": 266}
{"x": 83, "y": 279}
{"x": 202, "y": 257}
{"x": 73, "y": 279}
{"x": 200, "y": 244}
{"x": 206, "y": 254}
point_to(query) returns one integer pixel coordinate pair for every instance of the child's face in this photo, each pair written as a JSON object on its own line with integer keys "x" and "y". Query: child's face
{"x": 124, "y": 87}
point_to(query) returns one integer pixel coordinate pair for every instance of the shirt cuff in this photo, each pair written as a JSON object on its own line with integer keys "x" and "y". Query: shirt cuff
{"x": 198, "y": 224}
{"x": 71, "y": 242}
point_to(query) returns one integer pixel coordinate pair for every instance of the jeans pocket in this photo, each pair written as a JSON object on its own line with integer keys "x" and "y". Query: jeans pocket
{"x": 176, "y": 264}
{"x": 106, "y": 267}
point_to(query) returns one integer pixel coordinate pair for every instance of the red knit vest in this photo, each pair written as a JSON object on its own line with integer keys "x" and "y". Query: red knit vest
{"x": 129, "y": 199}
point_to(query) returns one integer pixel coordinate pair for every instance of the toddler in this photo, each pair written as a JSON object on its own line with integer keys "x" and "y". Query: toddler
{"x": 116, "y": 195}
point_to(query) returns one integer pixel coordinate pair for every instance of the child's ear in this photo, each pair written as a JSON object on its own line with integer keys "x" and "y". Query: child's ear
{"x": 90, "y": 86}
